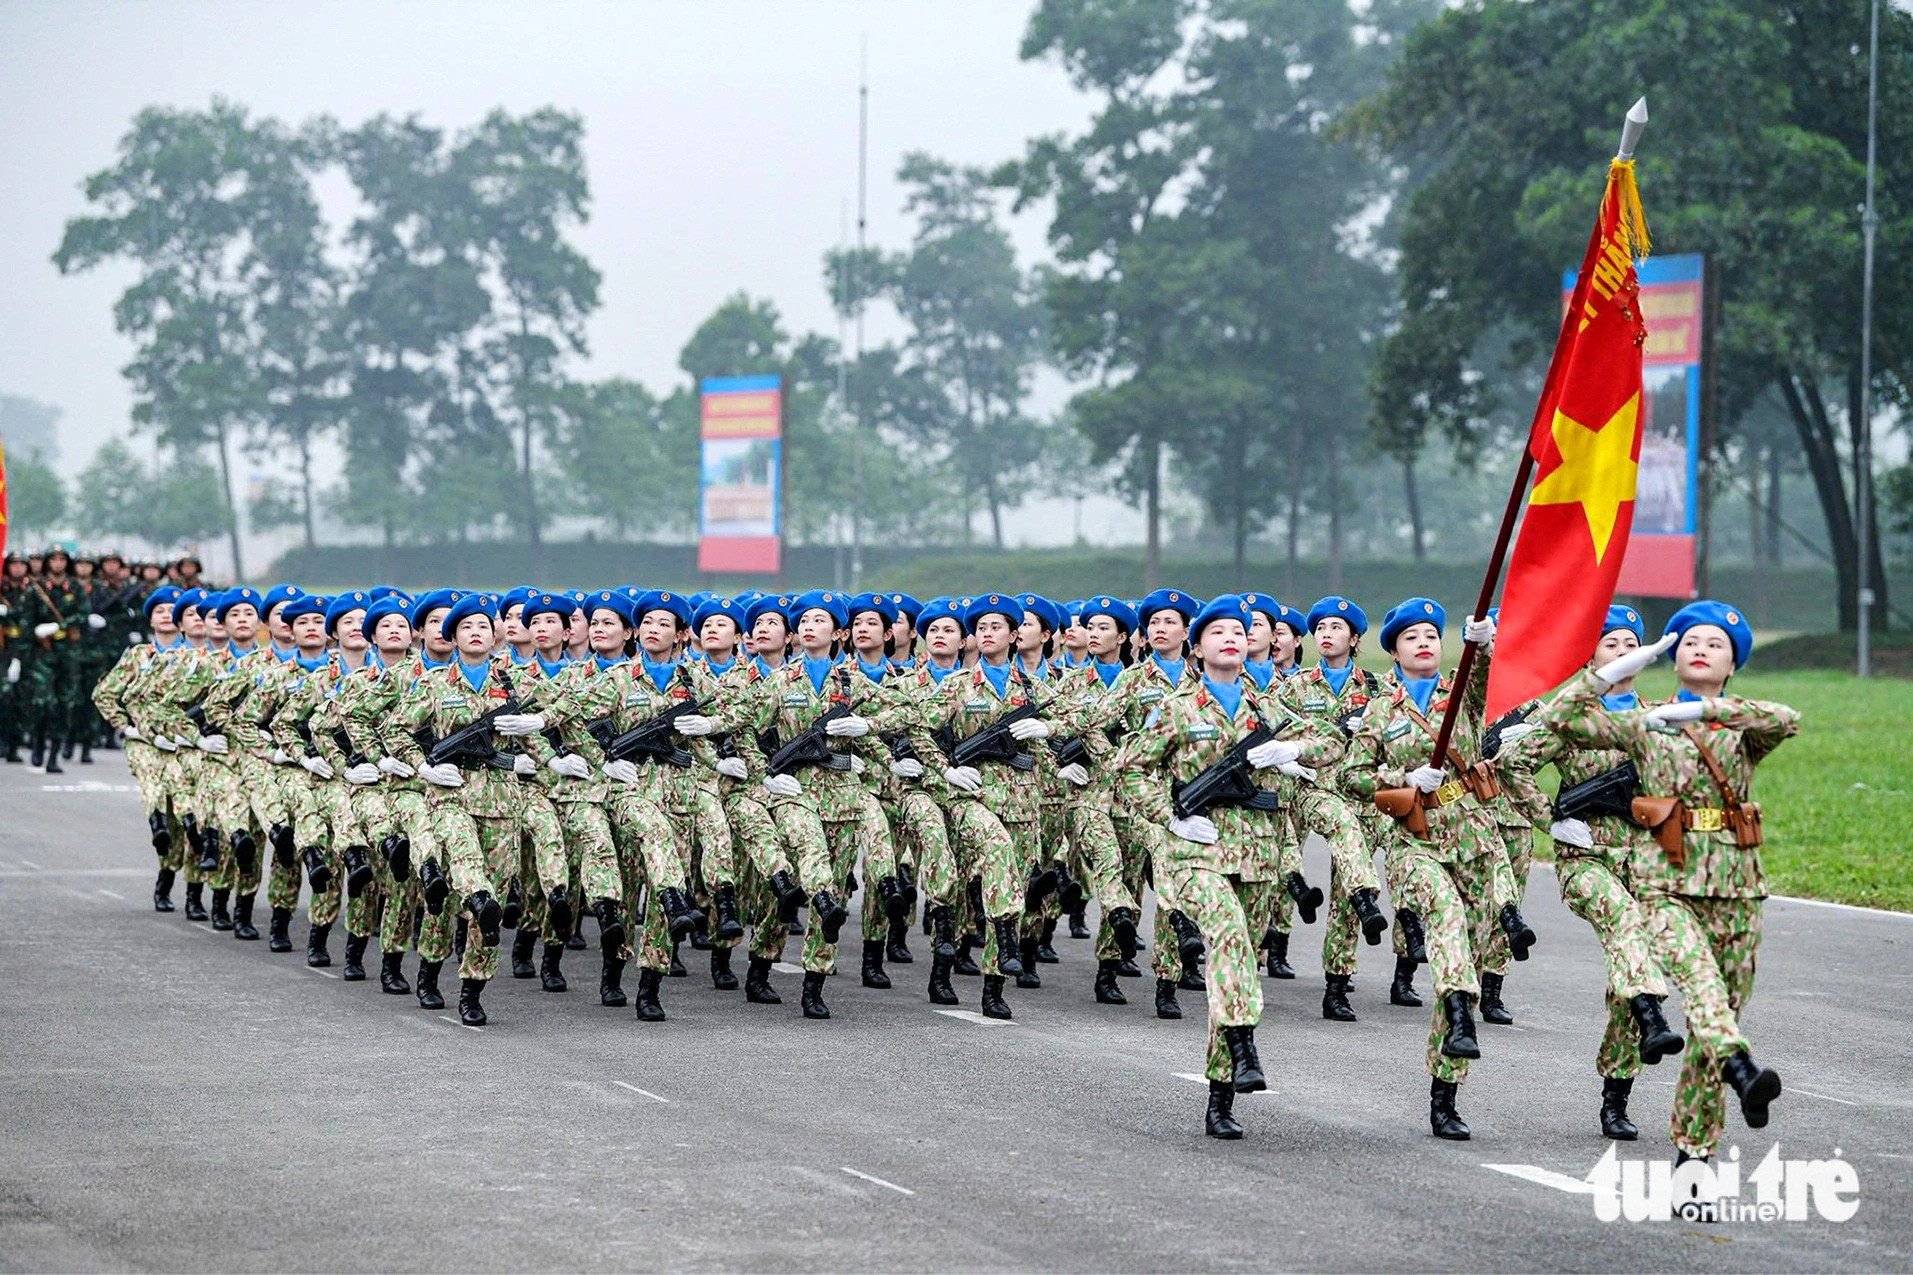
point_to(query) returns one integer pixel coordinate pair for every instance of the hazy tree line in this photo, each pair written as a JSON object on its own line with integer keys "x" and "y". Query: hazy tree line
{"x": 1302, "y": 268}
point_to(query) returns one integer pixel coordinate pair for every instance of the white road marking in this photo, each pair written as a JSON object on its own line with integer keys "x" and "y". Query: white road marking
{"x": 1204, "y": 1081}
{"x": 1546, "y": 1177}
{"x": 785, "y": 967}
{"x": 454, "y": 1022}
{"x": 129, "y": 873}
{"x": 1845, "y": 907}
{"x": 971, "y": 1016}
{"x": 109, "y": 894}
{"x": 326, "y": 973}
{"x": 31, "y": 864}
{"x": 1824, "y": 1097}
{"x": 89, "y": 787}
{"x": 644, "y": 1092}
{"x": 855, "y": 1173}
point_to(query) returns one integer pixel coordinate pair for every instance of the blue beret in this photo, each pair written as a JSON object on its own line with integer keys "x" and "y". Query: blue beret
{"x": 393, "y": 603}
{"x": 1073, "y": 610}
{"x": 717, "y": 604}
{"x": 937, "y": 609}
{"x": 427, "y": 603}
{"x": 558, "y": 604}
{"x": 1721, "y": 616}
{"x": 232, "y": 598}
{"x": 378, "y": 591}
{"x": 1048, "y": 614}
{"x": 878, "y": 602}
{"x": 1115, "y": 608}
{"x": 194, "y": 600}
{"x": 613, "y": 600}
{"x": 1411, "y": 611}
{"x": 304, "y": 604}
{"x": 355, "y": 600}
{"x": 1168, "y": 600}
{"x": 834, "y": 604}
{"x": 516, "y": 598}
{"x": 907, "y": 606}
{"x": 1227, "y": 606}
{"x": 1003, "y": 604}
{"x": 699, "y": 598}
{"x": 467, "y": 606}
{"x": 747, "y": 597}
{"x": 663, "y": 600}
{"x": 276, "y": 594}
{"x": 1620, "y": 617}
{"x": 165, "y": 595}
{"x": 1335, "y": 606}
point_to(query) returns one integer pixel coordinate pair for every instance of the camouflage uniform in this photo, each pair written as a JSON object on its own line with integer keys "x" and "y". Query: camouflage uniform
{"x": 1137, "y": 691}
{"x": 1087, "y": 707}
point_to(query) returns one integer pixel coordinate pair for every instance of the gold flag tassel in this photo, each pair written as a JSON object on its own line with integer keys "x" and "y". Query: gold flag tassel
{"x": 1633, "y": 218}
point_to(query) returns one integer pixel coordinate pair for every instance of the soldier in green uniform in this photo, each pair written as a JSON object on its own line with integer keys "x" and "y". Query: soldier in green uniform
{"x": 54, "y": 613}
{"x": 16, "y": 651}
{"x": 115, "y": 697}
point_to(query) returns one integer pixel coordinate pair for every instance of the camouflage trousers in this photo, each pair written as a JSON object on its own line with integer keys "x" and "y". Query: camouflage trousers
{"x": 994, "y": 852}
{"x": 825, "y": 853}
{"x": 648, "y": 840}
{"x": 1351, "y": 840}
{"x": 1165, "y": 956}
{"x": 1221, "y": 907}
{"x": 1099, "y": 864}
{"x": 1519, "y": 842}
{"x": 1708, "y": 948}
{"x": 1594, "y": 893}
{"x": 481, "y": 854}
{"x": 1052, "y": 842}
{"x": 1455, "y": 900}
{"x": 547, "y": 859}
{"x": 248, "y": 796}
{"x": 323, "y": 817}
{"x": 754, "y": 832}
{"x": 914, "y": 819}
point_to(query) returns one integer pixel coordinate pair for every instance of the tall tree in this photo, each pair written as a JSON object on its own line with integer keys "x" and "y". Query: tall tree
{"x": 36, "y": 496}
{"x": 629, "y": 459}
{"x": 173, "y": 502}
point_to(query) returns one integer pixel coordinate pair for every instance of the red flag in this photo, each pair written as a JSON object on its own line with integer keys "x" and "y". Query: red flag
{"x": 1586, "y": 444}
{"x": 3, "y": 499}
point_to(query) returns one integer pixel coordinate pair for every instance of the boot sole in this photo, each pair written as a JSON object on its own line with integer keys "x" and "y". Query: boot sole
{"x": 1759, "y": 1096}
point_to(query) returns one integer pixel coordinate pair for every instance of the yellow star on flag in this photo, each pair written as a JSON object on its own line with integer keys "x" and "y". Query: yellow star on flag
{"x": 1597, "y": 470}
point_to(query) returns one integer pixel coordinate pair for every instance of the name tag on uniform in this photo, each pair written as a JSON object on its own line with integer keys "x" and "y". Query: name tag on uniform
{"x": 633, "y": 698}
{"x": 1396, "y": 730}
{"x": 1201, "y": 730}
{"x": 1315, "y": 702}
{"x": 976, "y": 705}
{"x": 452, "y": 701}
{"x": 1149, "y": 697}
{"x": 796, "y": 699}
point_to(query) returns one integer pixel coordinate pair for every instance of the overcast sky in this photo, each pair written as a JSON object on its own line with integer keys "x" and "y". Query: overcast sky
{"x": 721, "y": 139}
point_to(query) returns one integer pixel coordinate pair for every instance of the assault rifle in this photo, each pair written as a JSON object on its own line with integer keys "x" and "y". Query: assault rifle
{"x": 811, "y": 746}
{"x": 994, "y": 741}
{"x": 651, "y": 740}
{"x": 1611, "y": 792}
{"x": 470, "y": 746}
{"x": 1228, "y": 781}
{"x": 1491, "y": 738}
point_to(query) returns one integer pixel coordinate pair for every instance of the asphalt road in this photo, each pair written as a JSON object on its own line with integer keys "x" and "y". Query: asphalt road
{"x": 175, "y": 1100}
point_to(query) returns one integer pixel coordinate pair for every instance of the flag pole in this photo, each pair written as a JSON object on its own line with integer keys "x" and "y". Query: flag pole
{"x": 1464, "y": 668}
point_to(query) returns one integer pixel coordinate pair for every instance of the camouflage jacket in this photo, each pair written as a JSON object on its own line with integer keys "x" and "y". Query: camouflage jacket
{"x": 967, "y": 702}
{"x": 368, "y": 698}
{"x": 785, "y": 701}
{"x": 626, "y": 696}
{"x": 1522, "y": 760}
{"x": 441, "y": 701}
{"x": 541, "y": 692}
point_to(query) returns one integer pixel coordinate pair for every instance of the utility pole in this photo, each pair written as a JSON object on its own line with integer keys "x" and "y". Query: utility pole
{"x": 1863, "y": 434}
{"x": 857, "y": 299}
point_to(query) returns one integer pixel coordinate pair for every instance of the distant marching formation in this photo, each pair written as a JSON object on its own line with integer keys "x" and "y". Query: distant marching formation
{"x": 699, "y": 768}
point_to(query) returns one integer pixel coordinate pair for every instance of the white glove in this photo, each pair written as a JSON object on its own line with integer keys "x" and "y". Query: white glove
{"x": 1622, "y": 667}
{"x": 1297, "y": 770}
{"x": 1427, "y": 778}
{"x": 445, "y": 775}
{"x": 396, "y": 768}
{"x": 907, "y": 768}
{"x": 963, "y": 778}
{"x": 622, "y": 772}
{"x": 96, "y": 621}
{"x": 318, "y": 766}
{"x": 214, "y": 744}
{"x": 132, "y": 732}
{"x": 135, "y": 638}
{"x": 13, "y": 670}
{"x": 1572, "y": 832}
{"x": 1520, "y": 730}
{"x": 1679, "y": 711}
{"x": 280, "y": 757}
{"x": 856, "y": 764}
{"x": 692, "y": 726}
{"x": 850, "y": 727}
{"x": 514, "y": 724}
{"x": 1076, "y": 773}
{"x": 782, "y": 785}
{"x": 363, "y": 773}
{"x": 45, "y": 630}
{"x": 570, "y": 764}
{"x": 1028, "y": 728}
{"x": 1196, "y": 828}
{"x": 525, "y": 765}
{"x": 1274, "y": 752}
{"x": 732, "y": 768}
{"x": 164, "y": 744}
{"x": 1481, "y": 632}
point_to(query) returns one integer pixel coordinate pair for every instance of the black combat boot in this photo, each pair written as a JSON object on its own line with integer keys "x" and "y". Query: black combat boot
{"x": 1459, "y": 1040}
{"x": 163, "y": 891}
{"x": 242, "y": 926}
{"x": 358, "y": 871}
{"x": 650, "y": 983}
{"x": 429, "y": 996}
{"x": 992, "y": 1003}
{"x": 896, "y": 948}
{"x": 700, "y": 925}
{"x": 210, "y": 846}
{"x": 790, "y": 896}
{"x": 162, "y": 832}
{"x": 550, "y": 976}
{"x": 486, "y": 916}
{"x": 1122, "y": 928}
{"x": 829, "y": 914}
{"x": 523, "y": 944}
{"x": 12, "y": 752}
{"x": 757, "y": 983}
{"x": 1442, "y": 1119}
{"x": 575, "y": 941}
{"x": 392, "y": 974}
{"x": 318, "y": 871}
{"x": 1046, "y": 954}
{"x": 279, "y": 836}
{"x": 1242, "y": 1055}
{"x": 558, "y": 913}
{"x": 195, "y": 901}
{"x": 942, "y": 930}
{"x": 963, "y": 963}
{"x": 1041, "y": 885}
{"x": 514, "y": 909}
{"x": 279, "y": 931}
{"x": 1107, "y": 990}
{"x": 1614, "y": 1121}
{"x": 245, "y": 851}
{"x": 66, "y": 749}
{"x": 679, "y": 917}
{"x": 1757, "y": 1086}
{"x": 1166, "y": 1006}
{"x": 398, "y": 856}
{"x": 1191, "y": 980}
{"x": 873, "y": 975}
{"x": 1308, "y": 898}
{"x": 1520, "y": 937}
{"x": 1188, "y": 938}
{"x": 795, "y": 927}
{"x": 1127, "y": 968}
{"x": 1492, "y": 1010}
{"x": 86, "y": 752}
{"x": 38, "y": 757}
{"x": 610, "y": 914}
{"x": 354, "y": 970}
{"x": 53, "y": 766}
{"x": 470, "y": 1012}
{"x": 1079, "y": 924}
{"x": 721, "y": 977}
{"x": 433, "y": 886}
{"x": 676, "y": 968}
{"x": 1008, "y": 944}
{"x": 812, "y": 998}
{"x": 941, "y": 993}
{"x": 1277, "y": 943}
{"x": 724, "y": 903}
{"x": 1414, "y": 939}
{"x": 1220, "y": 1121}
{"x": 1402, "y": 990}
{"x": 1369, "y": 913}
{"x": 460, "y": 931}
{"x": 221, "y": 918}
{"x": 1658, "y": 1040}
{"x": 1335, "y": 1006}
{"x": 1029, "y": 978}
{"x": 896, "y": 904}
{"x": 611, "y": 982}
{"x": 316, "y": 954}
